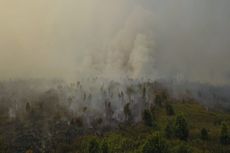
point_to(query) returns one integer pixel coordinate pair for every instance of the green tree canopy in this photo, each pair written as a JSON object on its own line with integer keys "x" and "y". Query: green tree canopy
{"x": 204, "y": 134}
{"x": 155, "y": 144}
{"x": 148, "y": 118}
{"x": 93, "y": 146}
{"x": 181, "y": 127}
{"x": 224, "y": 135}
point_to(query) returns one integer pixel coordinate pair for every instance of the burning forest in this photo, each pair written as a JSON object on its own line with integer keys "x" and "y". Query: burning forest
{"x": 114, "y": 76}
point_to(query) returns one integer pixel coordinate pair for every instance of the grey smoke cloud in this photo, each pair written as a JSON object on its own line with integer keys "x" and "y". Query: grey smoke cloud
{"x": 186, "y": 39}
{"x": 194, "y": 40}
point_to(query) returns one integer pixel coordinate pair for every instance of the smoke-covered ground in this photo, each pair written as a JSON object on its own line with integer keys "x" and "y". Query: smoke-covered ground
{"x": 42, "y": 114}
{"x": 96, "y": 98}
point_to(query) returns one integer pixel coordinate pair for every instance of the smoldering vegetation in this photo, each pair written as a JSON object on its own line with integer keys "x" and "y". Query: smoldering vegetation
{"x": 89, "y": 99}
{"x": 41, "y": 114}
{"x": 211, "y": 96}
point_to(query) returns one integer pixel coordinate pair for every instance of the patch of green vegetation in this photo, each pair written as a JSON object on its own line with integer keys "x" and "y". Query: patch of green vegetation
{"x": 204, "y": 133}
{"x": 186, "y": 127}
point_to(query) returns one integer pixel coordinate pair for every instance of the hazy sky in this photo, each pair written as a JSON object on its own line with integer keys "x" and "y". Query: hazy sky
{"x": 153, "y": 38}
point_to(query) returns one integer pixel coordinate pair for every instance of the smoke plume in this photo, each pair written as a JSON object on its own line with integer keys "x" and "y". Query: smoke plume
{"x": 152, "y": 39}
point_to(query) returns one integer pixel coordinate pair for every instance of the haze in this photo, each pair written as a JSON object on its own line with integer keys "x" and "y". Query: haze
{"x": 172, "y": 39}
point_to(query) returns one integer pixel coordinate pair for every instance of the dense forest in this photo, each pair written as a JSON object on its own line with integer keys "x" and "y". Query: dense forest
{"x": 141, "y": 117}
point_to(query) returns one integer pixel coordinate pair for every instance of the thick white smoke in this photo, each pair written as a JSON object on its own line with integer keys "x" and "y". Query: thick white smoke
{"x": 131, "y": 52}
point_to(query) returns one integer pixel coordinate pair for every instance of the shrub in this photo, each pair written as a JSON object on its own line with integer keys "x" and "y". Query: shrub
{"x": 62, "y": 147}
{"x": 169, "y": 130}
{"x": 29, "y": 151}
{"x": 169, "y": 110}
{"x": 104, "y": 147}
{"x": 158, "y": 100}
{"x": 3, "y": 146}
{"x": 127, "y": 112}
{"x": 148, "y": 118}
{"x": 93, "y": 146}
{"x": 118, "y": 143}
{"x": 28, "y": 107}
{"x": 161, "y": 98}
{"x": 183, "y": 148}
{"x": 181, "y": 128}
{"x": 204, "y": 134}
{"x": 155, "y": 144}
{"x": 224, "y": 135}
